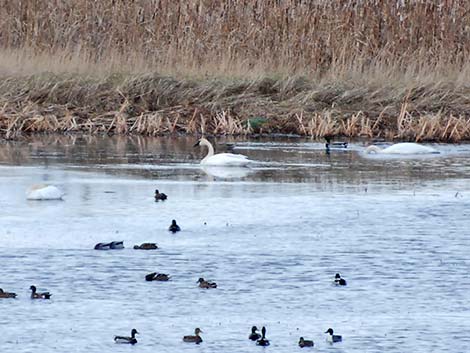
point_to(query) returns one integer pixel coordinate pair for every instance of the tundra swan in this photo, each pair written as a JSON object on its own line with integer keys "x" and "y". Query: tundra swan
{"x": 44, "y": 192}
{"x": 221, "y": 159}
{"x": 402, "y": 148}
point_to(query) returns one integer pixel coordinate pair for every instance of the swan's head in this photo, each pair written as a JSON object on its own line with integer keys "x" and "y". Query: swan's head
{"x": 372, "y": 149}
{"x": 202, "y": 142}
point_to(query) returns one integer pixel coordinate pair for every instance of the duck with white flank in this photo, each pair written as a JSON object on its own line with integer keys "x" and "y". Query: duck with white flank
{"x": 339, "y": 281}
{"x": 154, "y": 276}
{"x": 146, "y": 246}
{"x": 174, "y": 227}
{"x": 126, "y": 339}
{"x": 36, "y": 295}
{"x": 194, "y": 339}
{"x": 4, "y": 294}
{"x": 114, "y": 245}
{"x": 221, "y": 159}
{"x": 160, "y": 196}
{"x": 334, "y": 145}
{"x": 263, "y": 341}
{"x": 305, "y": 343}
{"x": 402, "y": 148}
{"x": 44, "y": 192}
{"x": 331, "y": 337}
{"x": 205, "y": 284}
{"x": 254, "y": 336}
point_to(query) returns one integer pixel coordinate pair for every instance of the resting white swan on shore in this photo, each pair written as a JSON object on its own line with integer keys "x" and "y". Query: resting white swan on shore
{"x": 44, "y": 192}
{"x": 402, "y": 148}
{"x": 221, "y": 159}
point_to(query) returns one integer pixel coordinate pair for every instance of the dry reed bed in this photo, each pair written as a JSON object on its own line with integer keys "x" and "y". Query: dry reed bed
{"x": 155, "y": 105}
{"x": 395, "y": 69}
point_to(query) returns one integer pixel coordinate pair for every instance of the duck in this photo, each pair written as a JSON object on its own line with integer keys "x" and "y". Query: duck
{"x": 103, "y": 246}
{"x": 205, "y": 284}
{"x": 160, "y": 196}
{"x": 263, "y": 341}
{"x": 402, "y": 148}
{"x": 339, "y": 281}
{"x": 254, "y": 336}
{"x": 305, "y": 343}
{"x": 334, "y": 145}
{"x": 331, "y": 337}
{"x": 174, "y": 227}
{"x": 116, "y": 245}
{"x": 4, "y": 294}
{"x": 194, "y": 339}
{"x": 221, "y": 159}
{"x": 42, "y": 192}
{"x": 154, "y": 276}
{"x": 146, "y": 246}
{"x": 127, "y": 340}
{"x": 35, "y": 295}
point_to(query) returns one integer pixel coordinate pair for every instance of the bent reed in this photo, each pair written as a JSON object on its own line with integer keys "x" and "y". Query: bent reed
{"x": 371, "y": 68}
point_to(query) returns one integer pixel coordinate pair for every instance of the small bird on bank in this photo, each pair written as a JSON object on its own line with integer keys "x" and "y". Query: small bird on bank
{"x": 174, "y": 227}
{"x": 305, "y": 343}
{"x": 331, "y": 337}
{"x": 160, "y": 196}
{"x": 154, "y": 276}
{"x": 254, "y": 336}
{"x": 334, "y": 145}
{"x": 263, "y": 341}
{"x": 205, "y": 284}
{"x": 339, "y": 281}
{"x": 4, "y": 294}
{"x": 36, "y": 295}
{"x": 146, "y": 246}
{"x": 126, "y": 339}
{"x": 194, "y": 339}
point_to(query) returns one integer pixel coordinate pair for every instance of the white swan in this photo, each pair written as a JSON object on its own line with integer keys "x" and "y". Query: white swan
{"x": 402, "y": 148}
{"x": 44, "y": 192}
{"x": 221, "y": 159}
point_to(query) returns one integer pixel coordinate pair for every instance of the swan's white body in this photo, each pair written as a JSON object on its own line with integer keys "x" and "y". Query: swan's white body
{"x": 222, "y": 159}
{"x": 402, "y": 148}
{"x": 44, "y": 192}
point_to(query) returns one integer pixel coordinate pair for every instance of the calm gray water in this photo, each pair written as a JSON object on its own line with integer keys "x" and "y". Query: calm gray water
{"x": 271, "y": 236}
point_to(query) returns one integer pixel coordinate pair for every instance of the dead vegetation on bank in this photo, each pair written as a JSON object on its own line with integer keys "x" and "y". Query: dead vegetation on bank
{"x": 371, "y": 68}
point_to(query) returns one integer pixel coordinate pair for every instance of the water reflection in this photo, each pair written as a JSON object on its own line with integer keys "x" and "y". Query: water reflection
{"x": 281, "y": 160}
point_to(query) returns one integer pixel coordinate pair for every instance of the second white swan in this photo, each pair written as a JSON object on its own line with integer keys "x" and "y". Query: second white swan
{"x": 221, "y": 159}
{"x": 402, "y": 148}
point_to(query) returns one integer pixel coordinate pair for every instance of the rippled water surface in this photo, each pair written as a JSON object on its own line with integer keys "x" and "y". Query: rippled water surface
{"x": 272, "y": 237}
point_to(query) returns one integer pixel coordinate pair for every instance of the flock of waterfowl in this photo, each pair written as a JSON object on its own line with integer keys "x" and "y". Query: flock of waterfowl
{"x": 49, "y": 192}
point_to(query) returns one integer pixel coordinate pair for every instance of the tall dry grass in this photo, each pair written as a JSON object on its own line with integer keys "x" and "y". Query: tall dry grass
{"x": 397, "y": 69}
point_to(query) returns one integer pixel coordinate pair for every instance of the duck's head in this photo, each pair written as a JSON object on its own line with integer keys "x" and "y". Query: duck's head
{"x": 1, "y": 290}
{"x": 254, "y": 329}
{"x": 197, "y": 331}
{"x": 301, "y": 339}
{"x": 173, "y": 222}
{"x": 156, "y": 191}
{"x": 134, "y": 332}
{"x": 337, "y": 276}
{"x": 200, "y": 280}
{"x": 330, "y": 331}
{"x": 33, "y": 288}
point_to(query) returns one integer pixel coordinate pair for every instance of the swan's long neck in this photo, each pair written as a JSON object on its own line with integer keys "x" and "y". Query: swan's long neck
{"x": 210, "y": 149}
{"x": 373, "y": 149}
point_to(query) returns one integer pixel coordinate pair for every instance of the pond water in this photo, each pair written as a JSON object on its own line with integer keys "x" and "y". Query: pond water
{"x": 271, "y": 236}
